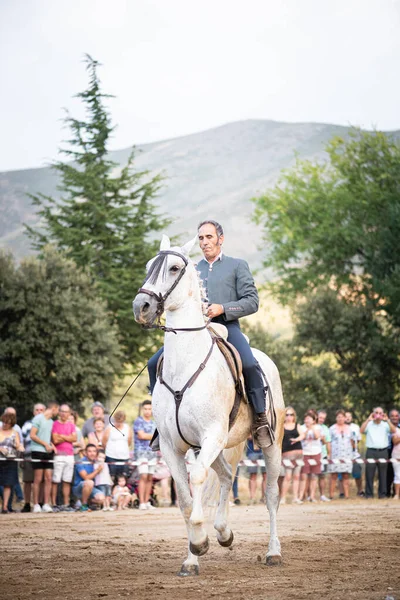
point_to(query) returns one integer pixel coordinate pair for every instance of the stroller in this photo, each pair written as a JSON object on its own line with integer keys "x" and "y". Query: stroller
{"x": 133, "y": 485}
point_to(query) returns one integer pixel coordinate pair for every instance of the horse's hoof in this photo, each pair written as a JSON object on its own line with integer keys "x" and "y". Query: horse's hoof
{"x": 199, "y": 549}
{"x": 228, "y": 541}
{"x": 274, "y": 561}
{"x": 188, "y": 571}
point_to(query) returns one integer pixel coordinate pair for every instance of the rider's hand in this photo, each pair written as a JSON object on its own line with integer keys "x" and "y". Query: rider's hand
{"x": 214, "y": 310}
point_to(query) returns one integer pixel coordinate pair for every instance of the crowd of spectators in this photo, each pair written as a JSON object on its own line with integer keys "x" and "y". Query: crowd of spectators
{"x": 111, "y": 465}
{"x": 65, "y": 469}
{"x": 313, "y": 452}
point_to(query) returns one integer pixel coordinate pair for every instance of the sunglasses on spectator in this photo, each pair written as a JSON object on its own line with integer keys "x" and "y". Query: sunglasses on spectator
{"x": 290, "y": 414}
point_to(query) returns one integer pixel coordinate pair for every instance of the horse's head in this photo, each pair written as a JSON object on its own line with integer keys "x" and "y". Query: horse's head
{"x": 167, "y": 283}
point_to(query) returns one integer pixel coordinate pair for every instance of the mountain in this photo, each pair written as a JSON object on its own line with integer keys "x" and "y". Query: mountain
{"x": 212, "y": 174}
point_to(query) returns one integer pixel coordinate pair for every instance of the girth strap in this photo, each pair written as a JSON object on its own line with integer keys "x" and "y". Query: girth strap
{"x": 178, "y": 394}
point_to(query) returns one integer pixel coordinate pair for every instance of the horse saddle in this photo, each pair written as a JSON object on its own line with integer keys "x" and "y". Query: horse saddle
{"x": 234, "y": 363}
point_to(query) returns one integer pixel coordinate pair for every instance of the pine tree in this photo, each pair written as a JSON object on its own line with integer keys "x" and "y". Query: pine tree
{"x": 106, "y": 218}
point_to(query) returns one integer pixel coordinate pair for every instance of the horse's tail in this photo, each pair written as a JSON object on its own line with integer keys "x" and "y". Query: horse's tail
{"x": 211, "y": 488}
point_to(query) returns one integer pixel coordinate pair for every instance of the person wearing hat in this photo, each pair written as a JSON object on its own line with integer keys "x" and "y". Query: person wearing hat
{"x": 98, "y": 411}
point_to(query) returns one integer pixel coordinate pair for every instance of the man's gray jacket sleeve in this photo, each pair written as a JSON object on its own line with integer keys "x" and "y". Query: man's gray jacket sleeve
{"x": 246, "y": 293}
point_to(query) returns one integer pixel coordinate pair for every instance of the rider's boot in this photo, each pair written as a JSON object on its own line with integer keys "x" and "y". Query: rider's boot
{"x": 263, "y": 434}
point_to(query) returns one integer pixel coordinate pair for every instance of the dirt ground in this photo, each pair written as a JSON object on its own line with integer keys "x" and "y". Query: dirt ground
{"x": 341, "y": 550}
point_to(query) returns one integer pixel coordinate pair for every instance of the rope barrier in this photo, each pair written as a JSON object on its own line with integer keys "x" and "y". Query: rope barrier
{"x": 243, "y": 463}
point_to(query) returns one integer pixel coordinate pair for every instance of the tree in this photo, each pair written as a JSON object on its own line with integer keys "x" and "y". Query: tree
{"x": 106, "y": 220}
{"x": 57, "y": 341}
{"x": 338, "y": 223}
{"x": 365, "y": 347}
{"x": 307, "y": 382}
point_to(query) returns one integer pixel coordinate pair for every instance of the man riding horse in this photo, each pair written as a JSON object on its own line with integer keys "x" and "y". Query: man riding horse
{"x": 232, "y": 294}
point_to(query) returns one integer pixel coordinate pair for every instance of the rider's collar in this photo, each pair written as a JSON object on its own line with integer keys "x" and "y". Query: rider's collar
{"x": 216, "y": 259}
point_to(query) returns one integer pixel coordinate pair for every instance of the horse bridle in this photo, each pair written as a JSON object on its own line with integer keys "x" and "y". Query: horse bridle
{"x": 162, "y": 298}
{"x": 177, "y": 394}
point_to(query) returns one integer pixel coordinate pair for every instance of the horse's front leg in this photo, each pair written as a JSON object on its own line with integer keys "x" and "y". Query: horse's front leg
{"x": 177, "y": 466}
{"x": 211, "y": 447}
{"x": 273, "y": 457}
{"x": 224, "y": 471}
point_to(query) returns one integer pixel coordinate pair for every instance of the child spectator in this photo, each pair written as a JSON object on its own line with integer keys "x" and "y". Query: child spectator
{"x": 121, "y": 493}
{"x": 103, "y": 480}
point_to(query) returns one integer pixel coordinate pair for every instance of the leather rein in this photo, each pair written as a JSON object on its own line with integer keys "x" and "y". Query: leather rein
{"x": 177, "y": 394}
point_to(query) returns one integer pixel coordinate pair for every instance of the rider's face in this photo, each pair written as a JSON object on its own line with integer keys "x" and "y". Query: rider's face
{"x": 209, "y": 241}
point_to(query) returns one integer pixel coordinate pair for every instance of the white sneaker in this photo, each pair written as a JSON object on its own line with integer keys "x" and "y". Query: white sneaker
{"x": 47, "y": 508}
{"x": 142, "y": 506}
{"x": 297, "y": 501}
{"x": 37, "y": 508}
{"x": 325, "y": 499}
{"x": 150, "y": 506}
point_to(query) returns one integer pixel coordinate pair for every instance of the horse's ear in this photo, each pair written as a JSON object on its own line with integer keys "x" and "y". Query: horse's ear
{"x": 188, "y": 246}
{"x": 165, "y": 243}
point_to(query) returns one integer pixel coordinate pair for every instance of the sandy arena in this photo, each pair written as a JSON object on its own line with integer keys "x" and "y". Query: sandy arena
{"x": 342, "y": 550}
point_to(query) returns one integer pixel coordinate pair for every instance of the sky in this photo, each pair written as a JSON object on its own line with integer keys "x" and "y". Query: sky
{"x": 181, "y": 66}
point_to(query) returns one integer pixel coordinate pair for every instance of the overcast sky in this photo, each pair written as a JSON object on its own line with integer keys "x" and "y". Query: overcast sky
{"x": 181, "y": 66}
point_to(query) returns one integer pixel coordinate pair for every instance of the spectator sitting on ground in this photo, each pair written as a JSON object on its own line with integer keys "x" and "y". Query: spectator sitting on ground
{"x": 342, "y": 448}
{"x": 85, "y": 473}
{"x": 79, "y": 445}
{"x": 121, "y": 494}
{"x": 42, "y": 455}
{"x": 98, "y": 410}
{"x": 377, "y": 428}
{"x": 96, "y": 437}
{"x": 10, "y": 444}
{"x": 63, "y": 434}
{"x": 103, "y": 480}
{"x": 143, "y": 428}
{"x": 117, "y": 439}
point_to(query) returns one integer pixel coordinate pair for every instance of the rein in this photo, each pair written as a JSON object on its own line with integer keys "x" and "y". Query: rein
{"x": 177, "y": 394}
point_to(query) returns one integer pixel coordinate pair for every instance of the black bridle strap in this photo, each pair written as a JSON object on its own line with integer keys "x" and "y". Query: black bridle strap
{"x": 161, "y": 299}
{"x": 178, "y": 394}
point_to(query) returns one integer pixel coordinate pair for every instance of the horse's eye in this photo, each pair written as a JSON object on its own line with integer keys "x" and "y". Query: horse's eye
{"x": 174, "y": 269}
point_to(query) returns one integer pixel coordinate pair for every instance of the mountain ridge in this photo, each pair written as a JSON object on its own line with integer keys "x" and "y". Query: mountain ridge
{"x": 210, "y": 174}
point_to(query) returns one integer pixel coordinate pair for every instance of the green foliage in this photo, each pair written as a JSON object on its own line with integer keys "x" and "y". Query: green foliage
{"x": 306, "y": 382}
{"x": 106, "y": 219}
{"x": 56, "y": 338}
{"x": 339, "y": 222}
{"x": 365, "y": 347}
{"x": 334, "y": 229}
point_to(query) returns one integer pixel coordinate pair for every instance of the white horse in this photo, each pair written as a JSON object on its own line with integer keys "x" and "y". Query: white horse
{"x": 172, "y": 284}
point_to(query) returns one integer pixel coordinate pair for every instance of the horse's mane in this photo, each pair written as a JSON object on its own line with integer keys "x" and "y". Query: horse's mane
{"x": 203, "y": 294}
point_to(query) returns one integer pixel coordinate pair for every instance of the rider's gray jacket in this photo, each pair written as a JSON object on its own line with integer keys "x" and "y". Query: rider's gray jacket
{"x": 228, "y": 281}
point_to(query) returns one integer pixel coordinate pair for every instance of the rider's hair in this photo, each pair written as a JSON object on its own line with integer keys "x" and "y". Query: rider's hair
{"x": 218, "y": 227}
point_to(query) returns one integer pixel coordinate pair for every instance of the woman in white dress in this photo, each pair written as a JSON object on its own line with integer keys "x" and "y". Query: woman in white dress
{"x": 341, "y": 448}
